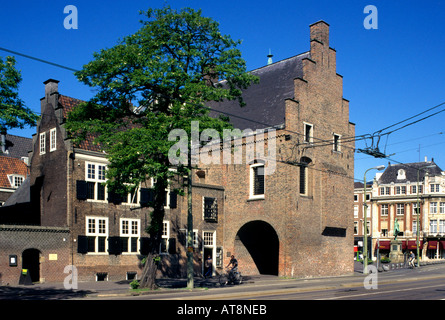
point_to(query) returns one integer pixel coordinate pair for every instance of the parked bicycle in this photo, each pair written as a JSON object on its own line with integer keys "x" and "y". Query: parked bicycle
{"x": 230, "y": 276}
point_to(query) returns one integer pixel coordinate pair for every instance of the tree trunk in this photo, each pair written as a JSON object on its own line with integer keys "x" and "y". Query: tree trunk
{"x": 148, "y": 279}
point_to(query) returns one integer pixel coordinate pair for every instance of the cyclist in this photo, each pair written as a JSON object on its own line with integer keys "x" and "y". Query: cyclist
{"x": 412, "y": 258}
{"x": 234, "y": 267}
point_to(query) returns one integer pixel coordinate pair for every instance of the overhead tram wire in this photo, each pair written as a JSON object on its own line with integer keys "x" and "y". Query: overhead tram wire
{"x": 327, "y": 142}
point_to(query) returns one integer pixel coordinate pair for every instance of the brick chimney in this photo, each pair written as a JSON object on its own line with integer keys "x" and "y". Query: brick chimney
{"x": 319, "y": 31}
{"x": 51, "y": 86}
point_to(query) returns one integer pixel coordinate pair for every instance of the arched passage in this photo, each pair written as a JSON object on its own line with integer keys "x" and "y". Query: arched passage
{"x": 31, "y": 262}
{"x": 257, "y": 247}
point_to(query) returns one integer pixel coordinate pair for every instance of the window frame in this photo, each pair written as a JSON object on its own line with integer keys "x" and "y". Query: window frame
{"x": 96, "y": 177}
{"x": 253, "y": 167}
{"x": 52, "y": 140}
{"x": 96, "y": 234}
{"x": 308, "y": 136}
{"x": 129, "y": 234}
{"x": 42, "y": 143}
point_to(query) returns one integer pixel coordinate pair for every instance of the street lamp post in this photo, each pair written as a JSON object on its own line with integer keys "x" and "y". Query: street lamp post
{"x": 365, "y": 231}
{"x": 418, "y": 214}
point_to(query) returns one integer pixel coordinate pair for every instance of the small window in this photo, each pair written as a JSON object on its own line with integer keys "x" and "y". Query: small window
{"x": 165, "y": 236}
{"x": 308, "y": 132}
{"x": 257, "y": 181}
{"x": 43, "y": 143}
{"x": 336, "y": 143}
{"x": 52, "y": 140}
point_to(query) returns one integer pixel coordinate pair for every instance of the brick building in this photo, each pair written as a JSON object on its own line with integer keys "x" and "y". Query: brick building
{"x": 295, "y": 220}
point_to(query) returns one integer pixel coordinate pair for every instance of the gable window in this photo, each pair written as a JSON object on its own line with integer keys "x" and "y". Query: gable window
{"x": 42, "y": 141}
{"x": 308, "y": 132}
{"x": 336, "y": 143}
{"x": 130, "y": 234}
{"x": 304, "y": 163}
{"x": 97, "y": 233}
{"x": 95, "y": 177}
{"x": 52, "y": 140}
{"x": 257, "y": 181}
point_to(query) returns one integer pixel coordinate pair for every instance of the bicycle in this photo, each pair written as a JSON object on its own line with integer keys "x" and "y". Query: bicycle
{"x": 230, "y": 277}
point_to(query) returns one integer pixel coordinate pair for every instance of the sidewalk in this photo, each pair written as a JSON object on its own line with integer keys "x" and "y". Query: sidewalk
{"x": 57, "y": 291}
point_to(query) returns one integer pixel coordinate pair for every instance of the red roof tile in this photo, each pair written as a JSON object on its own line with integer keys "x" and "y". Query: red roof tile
{"x": 10, "y": 166}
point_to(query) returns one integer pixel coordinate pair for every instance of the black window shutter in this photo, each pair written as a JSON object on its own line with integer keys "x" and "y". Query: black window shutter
{"x": 172, "y": 245}
{"x": 114, "y": 198}
{"x": 147, "y": 196}
{"x": 173, "y": 200}
{"x": 81, "y": 187}
{"x": 82, "y": 244}
{"x": 144, "y": 246}
{"x": 114, "y": 245}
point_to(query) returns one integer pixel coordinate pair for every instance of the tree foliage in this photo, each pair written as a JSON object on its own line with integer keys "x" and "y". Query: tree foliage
{"x": 152, "y": 82}
{"x": 13, "y": 112}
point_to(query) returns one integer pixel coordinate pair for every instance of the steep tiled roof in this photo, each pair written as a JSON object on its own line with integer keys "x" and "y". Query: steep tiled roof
{"x": 391, "y": 173}
{"x": 69, "y": 104}
{"x": 265, "y": 101}
{"x": 8, "y": 166}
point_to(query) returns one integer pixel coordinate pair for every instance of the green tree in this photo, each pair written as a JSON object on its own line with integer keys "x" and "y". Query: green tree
{"x": 152, "y": 82}
{"x": 13, "y": 112}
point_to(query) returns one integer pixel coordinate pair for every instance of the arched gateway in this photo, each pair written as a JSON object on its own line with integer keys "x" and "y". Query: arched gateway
{"x": 257, "y": 248}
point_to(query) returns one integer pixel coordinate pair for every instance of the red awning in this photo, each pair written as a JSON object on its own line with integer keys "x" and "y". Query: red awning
{"x": 412, "y": 244}
{"x": 384, "y": 244}
{"x": 432, "y": 244}
{"x": 442, "y": 244}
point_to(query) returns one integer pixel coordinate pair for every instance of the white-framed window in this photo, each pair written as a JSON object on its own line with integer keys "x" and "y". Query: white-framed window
{"x": 165, "y": 236}
{"x": 95, "y": 178}
{"x": 400, "y": 209}
{"x": 385, "y": 191}
{"x": 16, "y": 180}
{"x": 42, "y": 143}
{"x": 257, "y": 181}
{"x": 336, "y": 145}
{"x": 415, "y": 210}
{"x": 433, "y": 226}
{"x": 208, "y": 238}
{"x": 355, "y": 227}
{"x": 355, "y": 211}
{"x": 442, "y": 226}
{"x": 434, "y": 187}
{"x": 130, "y": 232}
{"x": 442, "y": 207}
{"x": 433, "y": 207}
{"x": 97, "y": 233}
{"x": 400, "y": 189}
{"x": 384, "y": 210}
{"x": 414, "y": 226}
{"x": 308, "y": 132}
{"x": 167, "y": 193}
{"x": 52, "y": 140}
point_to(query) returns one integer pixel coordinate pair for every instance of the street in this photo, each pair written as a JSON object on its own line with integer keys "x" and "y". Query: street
{"x": 425, "y": 283}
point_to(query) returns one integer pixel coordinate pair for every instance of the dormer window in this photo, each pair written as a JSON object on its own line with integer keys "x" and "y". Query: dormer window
{"x": 16, "y": 180}
{"x": 401, "y": 174}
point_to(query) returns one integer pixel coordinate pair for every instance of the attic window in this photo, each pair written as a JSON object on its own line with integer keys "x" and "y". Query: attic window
{"x": 401, "y": 174}
{"x": 16, "y": 180}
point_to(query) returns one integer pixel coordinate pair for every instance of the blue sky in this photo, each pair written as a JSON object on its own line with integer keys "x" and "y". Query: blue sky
{"x": 389, "y": 74}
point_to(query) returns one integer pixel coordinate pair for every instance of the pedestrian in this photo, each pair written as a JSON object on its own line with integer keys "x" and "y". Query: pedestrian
{"x": 209, "y": 267}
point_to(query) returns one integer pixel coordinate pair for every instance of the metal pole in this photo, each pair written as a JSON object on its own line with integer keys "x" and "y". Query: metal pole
{"x": 365, "y": 231}
{"x": 190, "y": 271}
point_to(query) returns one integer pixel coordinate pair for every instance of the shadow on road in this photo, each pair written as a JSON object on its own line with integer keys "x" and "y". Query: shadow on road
{"x": 30, "y": 293}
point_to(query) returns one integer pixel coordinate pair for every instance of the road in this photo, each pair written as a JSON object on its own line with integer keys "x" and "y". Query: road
{"x": 425, "y": 283}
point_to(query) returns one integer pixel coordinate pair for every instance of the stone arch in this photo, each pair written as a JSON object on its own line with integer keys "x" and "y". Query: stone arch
{"x": 257, "y": 248}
